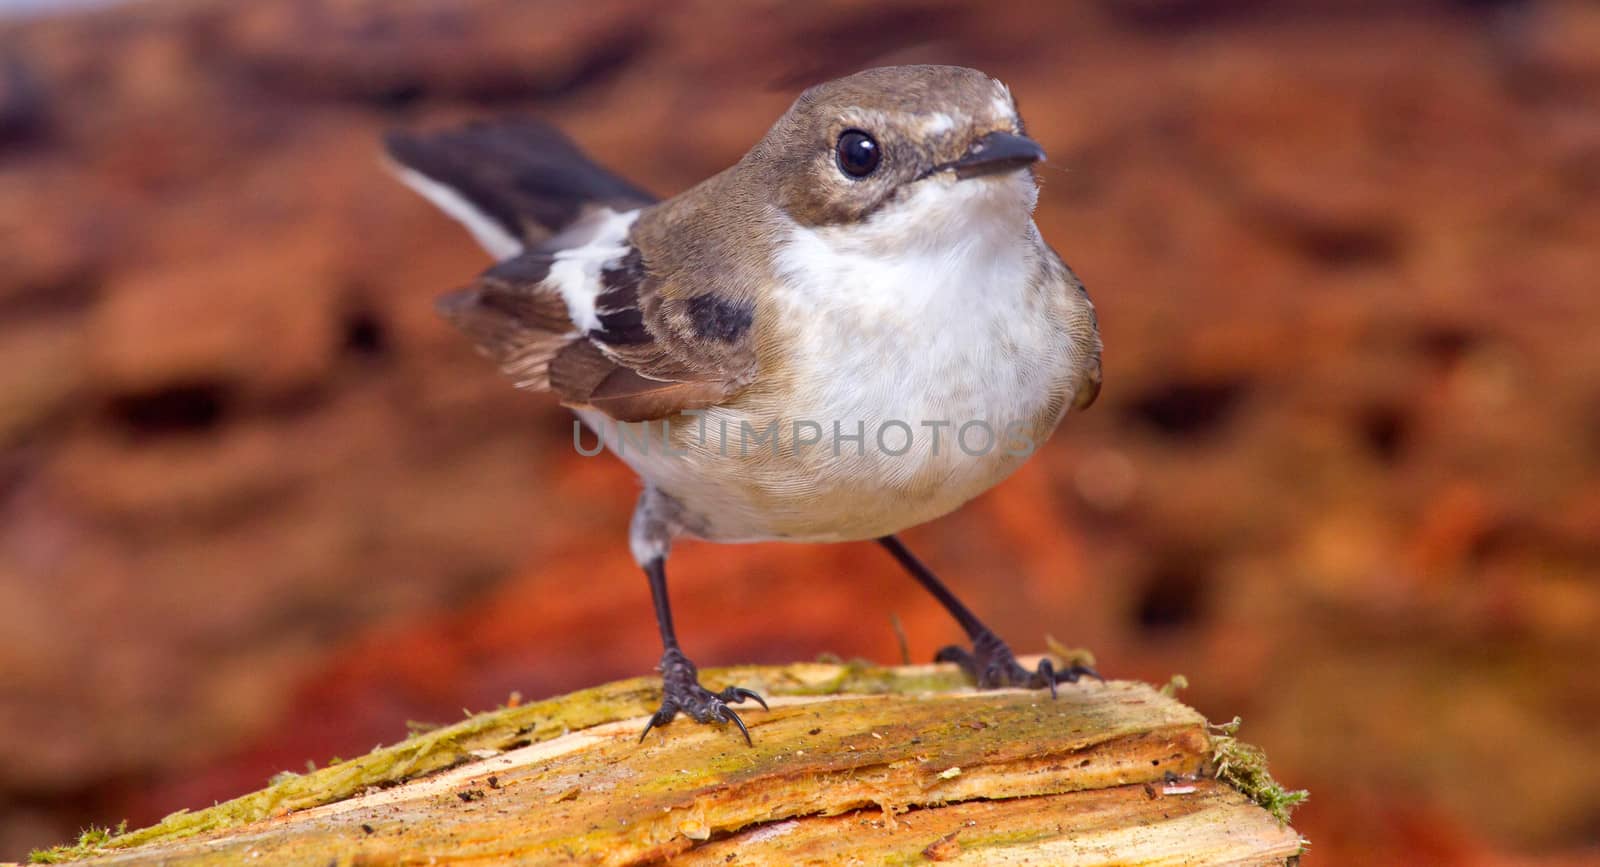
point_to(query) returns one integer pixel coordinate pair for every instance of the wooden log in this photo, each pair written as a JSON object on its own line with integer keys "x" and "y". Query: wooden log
{"x": 853, "y": 763}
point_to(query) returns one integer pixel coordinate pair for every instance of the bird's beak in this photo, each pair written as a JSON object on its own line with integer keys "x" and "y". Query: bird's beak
{"x": 996, "y": 153}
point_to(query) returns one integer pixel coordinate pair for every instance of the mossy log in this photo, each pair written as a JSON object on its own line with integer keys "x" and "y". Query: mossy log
{"x": 853, "y": 764}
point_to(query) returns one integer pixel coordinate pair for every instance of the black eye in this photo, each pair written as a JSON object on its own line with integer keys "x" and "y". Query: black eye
{"x": 858, "y": 153}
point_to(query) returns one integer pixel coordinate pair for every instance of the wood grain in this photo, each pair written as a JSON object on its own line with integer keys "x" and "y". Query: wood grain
{"x": 1106, "y": 773}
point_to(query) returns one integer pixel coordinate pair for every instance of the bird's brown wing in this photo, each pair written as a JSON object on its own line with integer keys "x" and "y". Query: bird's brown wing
{"x": 660, "y": 347}
{"x": 1084, "y": 327}
{"x": 515, "y": 317}
{"x": 653, "y": 353}
{"x": 658, "y": 342}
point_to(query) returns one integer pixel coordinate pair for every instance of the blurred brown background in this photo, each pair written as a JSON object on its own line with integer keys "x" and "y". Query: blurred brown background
{"x": 259, "y": 506}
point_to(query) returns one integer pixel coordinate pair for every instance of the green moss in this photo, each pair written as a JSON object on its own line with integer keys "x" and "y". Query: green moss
{"x": 1244, "y": 767}
{"x": 971, "y": 841}
{"x": 432, "y": 749}
{"x": 90, "y": 842}
{"x": 1019, "y": 837}
{"x": 859, "y": 677}
{"x": 435, "y": 749}
{"x": 1173, "y": 686}
{"x": 57, "y": 855}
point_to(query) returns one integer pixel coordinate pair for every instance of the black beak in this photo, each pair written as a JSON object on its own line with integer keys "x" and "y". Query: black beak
{"x": 996, "y": 153}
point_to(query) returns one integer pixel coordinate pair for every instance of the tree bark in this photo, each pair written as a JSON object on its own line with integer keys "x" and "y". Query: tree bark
{"x": 852, "y": 763}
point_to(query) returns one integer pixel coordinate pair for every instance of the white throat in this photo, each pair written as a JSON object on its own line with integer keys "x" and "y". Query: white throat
{"x": 950, "y": 243}
{"x": 927, "y": 311}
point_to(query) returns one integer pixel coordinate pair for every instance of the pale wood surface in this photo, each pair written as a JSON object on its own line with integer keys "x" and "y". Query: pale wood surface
{"x": 1111, "y": 773}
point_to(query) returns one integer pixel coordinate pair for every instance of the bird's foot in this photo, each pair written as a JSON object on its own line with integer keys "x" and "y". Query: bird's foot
{"x": 991, "y": 663}
{"x": 682, "y": 693}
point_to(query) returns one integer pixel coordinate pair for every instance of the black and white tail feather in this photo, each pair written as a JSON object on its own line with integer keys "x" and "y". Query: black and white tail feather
{"x": 516, "y": 183}
{"x": 553, "y": 220}
{"x": 563, "y": 309}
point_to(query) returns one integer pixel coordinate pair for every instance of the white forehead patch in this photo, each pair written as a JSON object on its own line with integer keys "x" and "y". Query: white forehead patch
{"x": 938, "y": 122}
{"x": 1004, "y": 105}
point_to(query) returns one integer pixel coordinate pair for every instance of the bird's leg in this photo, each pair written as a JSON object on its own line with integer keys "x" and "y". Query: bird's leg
{"x": 990, "y": 662}
{"x": 650, "y": 536}
{"x": 680, "y": 680}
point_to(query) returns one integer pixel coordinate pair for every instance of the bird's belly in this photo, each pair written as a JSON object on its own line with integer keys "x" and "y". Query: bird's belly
{"x": 898, "y": 449}
{"x": 866, "y": 449}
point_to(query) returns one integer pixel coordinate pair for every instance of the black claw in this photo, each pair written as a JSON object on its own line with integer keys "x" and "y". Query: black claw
{"x": 1072, "y": 674}
{"x": 738, "y": 694}
{"x": 1046, "y": 672}
{"x": 649, "y": 724}
{"x": 728, "y": 714}
{"x": 659, "y": 718}
{"x": 991, "y": 664}
{"x": 961, "y": 658}
{"x": 682, "y": 693}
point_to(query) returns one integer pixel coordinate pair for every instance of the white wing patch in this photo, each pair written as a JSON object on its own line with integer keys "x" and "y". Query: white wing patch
{"x": 490, "y": 235}
{"x": 575, "y": 273}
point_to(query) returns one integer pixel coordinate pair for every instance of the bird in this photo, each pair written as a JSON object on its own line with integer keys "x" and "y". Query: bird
{"x": 853, "y": 330}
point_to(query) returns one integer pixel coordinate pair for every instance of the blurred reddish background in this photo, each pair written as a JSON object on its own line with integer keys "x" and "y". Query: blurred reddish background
{"x": 259, "y": 506}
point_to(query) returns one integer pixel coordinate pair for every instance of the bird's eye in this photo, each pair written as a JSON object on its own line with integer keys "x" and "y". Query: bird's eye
{"x": 858, "y": 153}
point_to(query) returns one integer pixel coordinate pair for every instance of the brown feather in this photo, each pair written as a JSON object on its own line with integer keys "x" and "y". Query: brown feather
{"x": 513, "y": 317}
{"x": 627, "y": 396}
{"x": 1088, "y": 388}
{"x": 577, "y": 370}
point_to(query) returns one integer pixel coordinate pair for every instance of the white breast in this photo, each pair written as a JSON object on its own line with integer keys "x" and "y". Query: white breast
{"x": 928, "y": 317}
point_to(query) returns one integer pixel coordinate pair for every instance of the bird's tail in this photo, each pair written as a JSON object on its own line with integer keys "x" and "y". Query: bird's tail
{"x": 515, "y": 183}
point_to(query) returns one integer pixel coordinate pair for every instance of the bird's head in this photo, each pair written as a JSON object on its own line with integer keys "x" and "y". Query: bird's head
{"x": 919, "y": 149}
